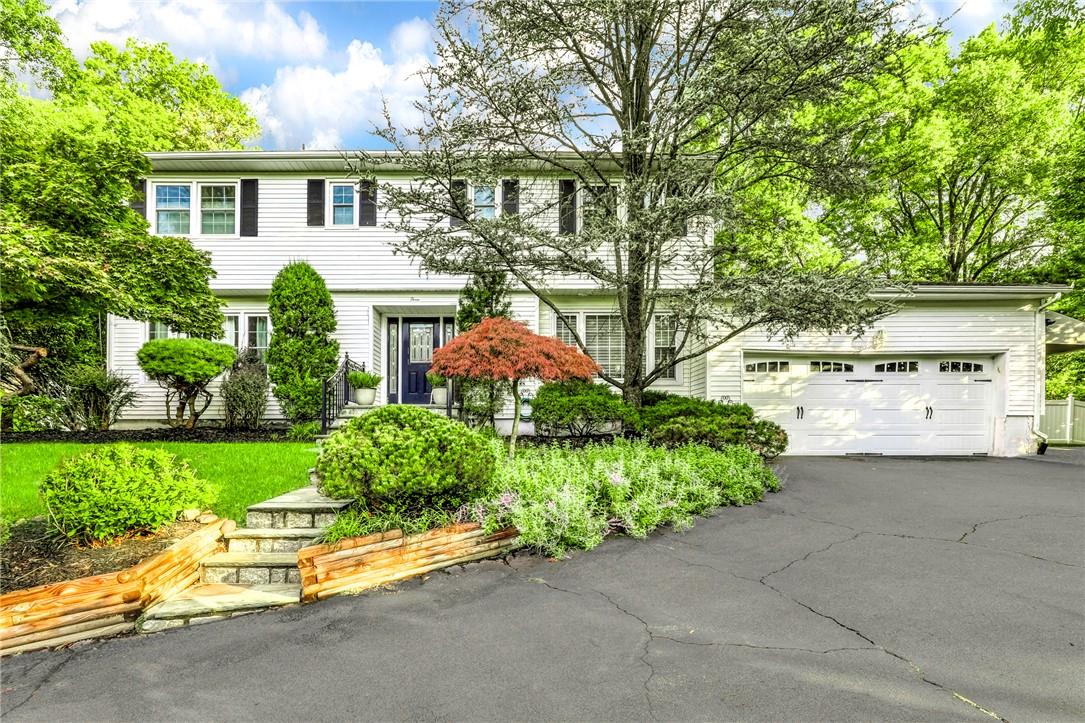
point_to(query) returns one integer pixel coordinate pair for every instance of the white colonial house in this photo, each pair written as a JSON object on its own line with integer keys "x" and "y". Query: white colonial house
{"x": 958, "y": 370}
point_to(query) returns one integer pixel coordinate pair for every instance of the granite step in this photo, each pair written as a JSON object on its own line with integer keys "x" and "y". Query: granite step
{"x": 208, "y": 602}
{"x": 251, "y": 568}
{"x": 301, "y": 508}
{"x": 271, "y": 539}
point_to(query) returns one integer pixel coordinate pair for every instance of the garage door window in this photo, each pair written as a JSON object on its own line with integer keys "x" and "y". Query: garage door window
{"x": 959, "y": 366}
{"x": 896, "y": 367}
{"x": 832, "y": 367}
{"x": 768, "y": 366}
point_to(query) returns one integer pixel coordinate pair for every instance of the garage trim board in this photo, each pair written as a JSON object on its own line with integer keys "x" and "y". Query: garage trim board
{"x": 903, "y": 404}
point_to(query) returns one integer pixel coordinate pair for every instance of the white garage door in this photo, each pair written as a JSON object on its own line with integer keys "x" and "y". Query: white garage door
{"x": 899, "y": 405}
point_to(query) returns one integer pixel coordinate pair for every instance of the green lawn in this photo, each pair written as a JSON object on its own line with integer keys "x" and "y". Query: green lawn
{"x": 244, "y": 472}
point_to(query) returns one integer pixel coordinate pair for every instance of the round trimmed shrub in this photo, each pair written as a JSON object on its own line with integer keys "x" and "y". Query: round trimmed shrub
{"x": 116, "y": 490}
{"x": 400, "y": 457}
{"x": 578, "y": 408}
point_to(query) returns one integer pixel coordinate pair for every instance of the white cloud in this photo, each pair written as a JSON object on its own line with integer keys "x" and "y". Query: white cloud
{"x": 317, "y": 106}
{"x": 194, "y": 28}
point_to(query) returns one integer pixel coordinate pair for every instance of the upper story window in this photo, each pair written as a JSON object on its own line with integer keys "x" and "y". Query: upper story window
{"x": 459, "y": 201}
{"x": 768, "y": 366}
{"x": 173, "y": 207}
{"x": 218, "y": 209}
{"x": 342, "y": 204}
{"x": 510, "y": 197}
{"x": 666, "y": 343}
{"x": 566, "y": 206}
{"x": 484, "y": 202}
{"x": 896, "y": 367}
{"x": 959, "y": 366}
{"x": 832, "y": 367}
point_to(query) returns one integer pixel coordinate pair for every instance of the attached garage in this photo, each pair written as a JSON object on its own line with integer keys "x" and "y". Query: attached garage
{"x": 904, "y": 404}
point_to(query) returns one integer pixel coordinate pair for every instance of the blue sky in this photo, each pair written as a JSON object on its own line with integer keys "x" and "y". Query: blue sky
{"x": 316, "y": 73}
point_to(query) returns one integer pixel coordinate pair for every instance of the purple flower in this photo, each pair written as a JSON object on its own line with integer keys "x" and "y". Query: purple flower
{"x": 550, "y": 505}
{"x": 616, "y": 479}
{"x": 507, "y": 499}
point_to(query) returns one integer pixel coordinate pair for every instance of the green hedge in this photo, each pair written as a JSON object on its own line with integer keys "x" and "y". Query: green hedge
{"x": 578, "y": 408}
{"x": 405, "y": 458}
{"x": 116, "y": 490}
{"x": 674, "y": 420}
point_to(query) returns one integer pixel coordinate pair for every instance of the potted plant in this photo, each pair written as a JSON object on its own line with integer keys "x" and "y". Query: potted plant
{"x": 440, "y": 391}
{"x": 365, "y": 387}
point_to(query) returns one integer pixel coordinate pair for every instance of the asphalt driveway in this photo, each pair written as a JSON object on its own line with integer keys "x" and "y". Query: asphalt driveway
{"x": 870, "y": 588}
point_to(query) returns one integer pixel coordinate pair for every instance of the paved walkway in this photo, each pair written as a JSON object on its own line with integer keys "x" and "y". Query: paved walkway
{"x": 868, "y": 589}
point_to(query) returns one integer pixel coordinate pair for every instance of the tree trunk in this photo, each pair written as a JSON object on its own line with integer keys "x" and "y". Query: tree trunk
{"x": 515, "y": 417}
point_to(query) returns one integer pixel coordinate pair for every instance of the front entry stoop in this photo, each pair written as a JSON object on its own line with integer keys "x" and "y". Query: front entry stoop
{"x": 259, "y": 569}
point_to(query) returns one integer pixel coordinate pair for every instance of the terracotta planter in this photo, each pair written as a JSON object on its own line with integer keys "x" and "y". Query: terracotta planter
{"x": 440, "y": 396}
{"x": 365, "y": 397}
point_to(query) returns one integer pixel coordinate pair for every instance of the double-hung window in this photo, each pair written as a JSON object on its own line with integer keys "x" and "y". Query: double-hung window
{"x": 173, "y": 208}
{"x": 605, "y": 342}
{"x": 218, "y": 209}
{"x": 484, "y": 201}
{"x": 666, "y": 344}
{"x": 342, "y": 204}
{"x": 158, "y": 330}
{"x": 257, "y": 335}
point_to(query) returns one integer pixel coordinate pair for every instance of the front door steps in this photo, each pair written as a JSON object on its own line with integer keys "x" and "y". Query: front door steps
{"x": 259, "y": 569}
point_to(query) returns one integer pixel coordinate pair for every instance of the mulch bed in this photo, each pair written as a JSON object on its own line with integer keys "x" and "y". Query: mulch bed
{"x": 34, "y": 555}
{"x": 200, "y": 434}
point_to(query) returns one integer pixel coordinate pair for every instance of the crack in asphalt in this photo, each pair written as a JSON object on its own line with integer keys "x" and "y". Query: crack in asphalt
{"x": 47, "y": 678}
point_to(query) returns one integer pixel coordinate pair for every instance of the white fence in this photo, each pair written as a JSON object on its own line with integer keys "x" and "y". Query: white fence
{"x": 1064, "y": 421}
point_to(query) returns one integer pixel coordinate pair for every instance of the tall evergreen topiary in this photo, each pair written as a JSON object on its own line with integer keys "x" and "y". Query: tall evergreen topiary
{"x": 301, "y": 353}
{"x": 485, "y": 295}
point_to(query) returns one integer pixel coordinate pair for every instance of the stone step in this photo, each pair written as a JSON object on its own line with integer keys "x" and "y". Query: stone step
{"x": 271, "y": 539}
{"x": 209, "y": 602}
{"x": 251, "y": 568}
{"x": 302, "y": 508}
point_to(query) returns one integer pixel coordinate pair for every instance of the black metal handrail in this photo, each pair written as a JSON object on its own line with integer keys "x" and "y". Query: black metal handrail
{"x": 336, "y": 392}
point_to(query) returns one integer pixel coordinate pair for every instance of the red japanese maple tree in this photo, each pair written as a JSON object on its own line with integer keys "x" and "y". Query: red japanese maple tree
{"x": 499, "y": 349}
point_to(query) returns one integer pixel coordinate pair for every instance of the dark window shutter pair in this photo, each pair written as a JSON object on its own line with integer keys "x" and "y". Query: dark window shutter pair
{"x": 367, "y": 198}
{"x": 314, "y": 204}
{"x": 566, "y": 207}
{"x": 139, "y": 199}
{"x": 510, "y": 197}
{"x": 250, "y": 206}
{"x": 459, "y": 198}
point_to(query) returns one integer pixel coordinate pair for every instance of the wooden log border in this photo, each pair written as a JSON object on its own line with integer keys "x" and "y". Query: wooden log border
{"x": 359, "y": 563}
{"x": 90, "y": 607}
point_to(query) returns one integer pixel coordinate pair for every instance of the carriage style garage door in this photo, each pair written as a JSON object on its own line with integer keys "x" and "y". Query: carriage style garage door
{"x": 898, "y": 405}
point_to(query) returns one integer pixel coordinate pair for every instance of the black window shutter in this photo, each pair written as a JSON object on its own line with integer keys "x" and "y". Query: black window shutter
{"x": 510, "y": 197}
{"x": 367, "y": 198}
{"x": 459, "y": 195}
{"x": 315, "y": 202}
{"x": 139, "y": 200}
{"x": 250, "y": 206}
{"x": 567, "y": 206}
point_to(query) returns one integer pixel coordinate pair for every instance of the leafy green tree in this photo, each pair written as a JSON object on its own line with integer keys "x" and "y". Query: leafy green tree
{"x": 184, "y": 368}
{"x": 301, "y": 354}
{"x": 72, "y": 251}
{"x": 485, "y": 295}
{"x": 666, "y": 111}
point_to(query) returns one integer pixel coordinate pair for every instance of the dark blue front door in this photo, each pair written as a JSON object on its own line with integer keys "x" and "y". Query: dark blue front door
{"x": 418, "y": 339}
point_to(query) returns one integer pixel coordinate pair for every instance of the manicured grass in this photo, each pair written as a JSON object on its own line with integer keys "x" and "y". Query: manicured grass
{"x": 244, "y": 472}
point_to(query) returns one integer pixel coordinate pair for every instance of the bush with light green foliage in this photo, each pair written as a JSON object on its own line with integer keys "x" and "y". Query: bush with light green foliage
{"x": 30, "y": 413}
{"x": 404, "y": 458}
{"x": 120, "y": 489}
{"x": 579, "y": 408}
{"x": 561, "y": 498}
{"x": 672, "y": 420}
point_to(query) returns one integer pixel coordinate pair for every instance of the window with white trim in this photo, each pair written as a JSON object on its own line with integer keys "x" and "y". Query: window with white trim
{"x": 172, "y": 209}
{"x": 485, "y": 201}
{"x": 765, "y": 367}
{"x": 831, "y": 367}
{"x": 342, "y": 204}
{"x": 231, "y": 330}
{"x": 959, "y": 366}
{"x": 158, "y": 330}
{"x": 563, "y": 332}
{"x": 258, "y": 333}
{"x": 896, "y": 367}
{"x": 605, "y": 342}
{"x": 218, "y": 209}
{"x": 666, "y": 343}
